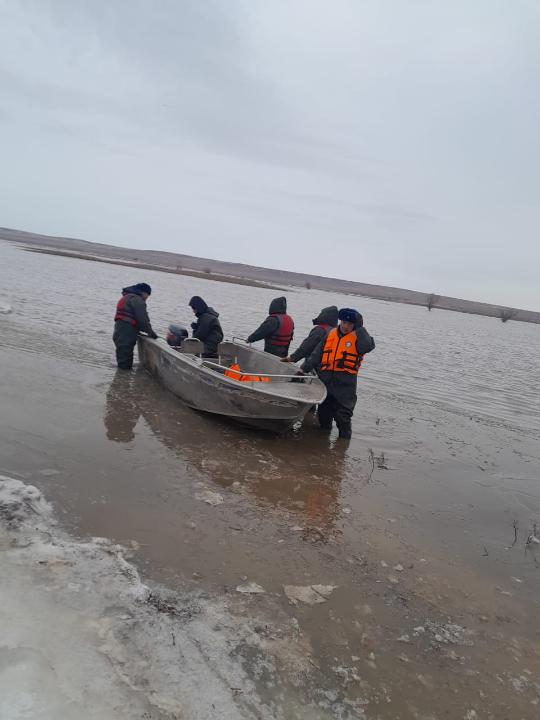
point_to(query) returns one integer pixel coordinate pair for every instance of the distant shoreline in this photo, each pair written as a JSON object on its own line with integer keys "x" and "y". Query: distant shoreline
{"x": 254, "y": 276}
{"x": 146, "y": 266}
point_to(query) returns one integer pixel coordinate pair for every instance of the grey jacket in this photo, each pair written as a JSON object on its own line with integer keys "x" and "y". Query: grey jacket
{"x": 327, "y": 319}
{"x": 135, "y": 309}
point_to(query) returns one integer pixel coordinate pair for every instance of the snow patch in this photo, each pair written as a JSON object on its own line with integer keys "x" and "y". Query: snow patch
{"x": 308, "y": 594}
{"x": 18, "y": 502}
{"x": 81, "y": 636}
{"x": 210, "y": 497}
{"x": 250, "y": 588}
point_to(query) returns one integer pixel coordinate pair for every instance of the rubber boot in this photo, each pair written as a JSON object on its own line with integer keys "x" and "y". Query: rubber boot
{"x": 325, "y": 414}
{"x": 345, "y": 431}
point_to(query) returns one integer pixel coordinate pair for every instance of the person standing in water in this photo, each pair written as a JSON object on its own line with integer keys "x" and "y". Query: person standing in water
{"x": 337, "y": 362}
{"x": 277, "y": 330}
{"x": 130, "y": 319}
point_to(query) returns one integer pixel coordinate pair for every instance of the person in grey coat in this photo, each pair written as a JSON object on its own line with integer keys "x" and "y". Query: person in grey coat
{"x": 130, "y": 319}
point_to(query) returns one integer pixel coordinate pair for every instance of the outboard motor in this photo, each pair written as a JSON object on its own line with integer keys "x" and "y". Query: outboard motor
{"x": 176, "y": 334}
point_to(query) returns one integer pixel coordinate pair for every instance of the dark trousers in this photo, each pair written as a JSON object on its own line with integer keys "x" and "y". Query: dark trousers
{"x": 125, "y": 339}
{"x": 331, "y": 409}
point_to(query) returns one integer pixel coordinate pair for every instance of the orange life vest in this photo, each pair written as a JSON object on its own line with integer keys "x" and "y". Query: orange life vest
{"x": 235, "y": 373}
{"x": 340, "y": 353}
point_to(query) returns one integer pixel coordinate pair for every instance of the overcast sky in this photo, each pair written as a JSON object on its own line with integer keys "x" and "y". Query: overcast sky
{"x": 385, "y": 141}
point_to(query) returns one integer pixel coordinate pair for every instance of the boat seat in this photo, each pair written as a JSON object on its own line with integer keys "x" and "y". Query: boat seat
{"x": 192, "y": 346}
{"x": 227, "y": 353}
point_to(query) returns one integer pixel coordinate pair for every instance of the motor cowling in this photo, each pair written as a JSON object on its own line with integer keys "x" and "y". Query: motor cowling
{"x": 176, "y": 334}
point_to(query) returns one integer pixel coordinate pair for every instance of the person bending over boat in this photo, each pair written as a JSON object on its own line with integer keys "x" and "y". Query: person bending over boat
{"x": 277, "y": 330}
{"x": 337, "y": 361}
{"x": 322, "y": 324}
{"x": 131, "y": 318}
{"x": 207, "y": 327}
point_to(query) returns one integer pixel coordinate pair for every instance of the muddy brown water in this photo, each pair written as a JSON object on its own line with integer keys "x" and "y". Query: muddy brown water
{"x": 413, "y": 521}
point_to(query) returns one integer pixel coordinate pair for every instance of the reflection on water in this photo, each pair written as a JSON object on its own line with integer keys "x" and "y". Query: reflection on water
{"x": 122, "y": 412}
{"x": 302, "y": 473}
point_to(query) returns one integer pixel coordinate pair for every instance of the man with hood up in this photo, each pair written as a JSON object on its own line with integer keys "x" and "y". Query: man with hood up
{"x": 207, "y": 327}
{"x": 277, "y": 330}
{"x": 322, "y": 324}
{"x": 130, "y": 319}
{"x": 337, "y": 361}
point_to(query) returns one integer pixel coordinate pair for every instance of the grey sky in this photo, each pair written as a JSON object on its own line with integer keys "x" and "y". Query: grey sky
{"x": 390, "y": 142}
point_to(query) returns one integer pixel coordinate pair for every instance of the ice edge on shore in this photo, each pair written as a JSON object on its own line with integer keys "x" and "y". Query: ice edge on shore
{"x": 83, "y": 637}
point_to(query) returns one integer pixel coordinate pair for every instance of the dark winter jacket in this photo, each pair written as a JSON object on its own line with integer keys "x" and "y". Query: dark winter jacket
{"x": 268, "y": 329}
{"x": 341, "y": 385}
{"x": 131, "y": 308}
{"x": 327, "y": 318}
{"x": 208, "y": 330}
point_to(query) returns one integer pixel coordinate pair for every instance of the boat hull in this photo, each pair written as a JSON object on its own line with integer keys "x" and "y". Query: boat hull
{"x": 202, "y": 389}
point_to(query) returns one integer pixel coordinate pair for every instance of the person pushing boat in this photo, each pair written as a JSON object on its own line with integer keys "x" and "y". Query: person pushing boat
{"x": 337, "y": 362}
{"x": 130, "y": 319}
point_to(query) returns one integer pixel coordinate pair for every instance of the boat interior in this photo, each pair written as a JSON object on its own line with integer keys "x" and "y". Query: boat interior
{"x": 251, "y": 362}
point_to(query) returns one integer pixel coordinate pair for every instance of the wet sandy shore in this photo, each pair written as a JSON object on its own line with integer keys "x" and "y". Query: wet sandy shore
{"x": 435, "y": 602}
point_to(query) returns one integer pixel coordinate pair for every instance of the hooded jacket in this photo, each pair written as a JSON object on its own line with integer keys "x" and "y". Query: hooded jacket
{"x": 131, "y": 308}
{"x": 207, "y": 328}
{"x": 342, "y": 385}
{"x": 268, "y": 330}
{"x": 327, "y": 319}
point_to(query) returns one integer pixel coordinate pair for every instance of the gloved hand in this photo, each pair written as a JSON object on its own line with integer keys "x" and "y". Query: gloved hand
{"x": 153, "y": 335}
{"x": 285, "y": 359}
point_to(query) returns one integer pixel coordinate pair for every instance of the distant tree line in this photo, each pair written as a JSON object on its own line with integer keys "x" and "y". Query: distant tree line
{"x": 507, "y": 314}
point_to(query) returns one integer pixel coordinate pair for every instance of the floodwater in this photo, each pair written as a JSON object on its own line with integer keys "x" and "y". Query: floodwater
{"x": 421, "y": 521}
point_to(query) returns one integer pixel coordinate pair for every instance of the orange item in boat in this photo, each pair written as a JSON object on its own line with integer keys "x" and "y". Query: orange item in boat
{"x": 235, "y": 373}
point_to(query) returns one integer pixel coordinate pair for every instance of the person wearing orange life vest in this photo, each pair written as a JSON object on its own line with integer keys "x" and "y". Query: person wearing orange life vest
{"x": 337, "y": 362}
{"x": 131, "y": 317}
{"x": 277, "y": 330}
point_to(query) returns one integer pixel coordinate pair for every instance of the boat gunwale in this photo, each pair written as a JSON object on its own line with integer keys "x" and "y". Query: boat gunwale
{"x": 258, "y": 388}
